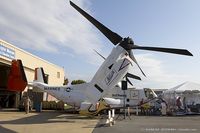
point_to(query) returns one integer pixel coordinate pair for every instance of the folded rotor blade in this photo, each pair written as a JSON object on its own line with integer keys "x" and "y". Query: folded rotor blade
{"x": 99, "y": 54}
{"x": 129, "y": 81}
{"x": 133, "y": 58}
{"x": 133, "y": 76}
{"x": 166, "y": 50}
{"x": 112, "y": 36}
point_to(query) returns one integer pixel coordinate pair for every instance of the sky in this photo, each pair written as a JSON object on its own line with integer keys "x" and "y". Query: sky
{"x": 56, "y": 32}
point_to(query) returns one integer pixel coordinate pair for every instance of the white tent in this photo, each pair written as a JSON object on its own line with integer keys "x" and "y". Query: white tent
{"x": 185, "y": 87}
{"x": 188, "y": 90}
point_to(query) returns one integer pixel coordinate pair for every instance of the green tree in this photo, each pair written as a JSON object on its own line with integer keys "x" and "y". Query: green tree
{"x": 66, "y": 81}
{"x": 74, "y": 82}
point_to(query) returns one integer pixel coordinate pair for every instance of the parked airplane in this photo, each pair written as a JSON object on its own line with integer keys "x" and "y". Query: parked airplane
{"x": 132, "y": 96}
{"x": 76, "y": 96}
{"x": 113, "y": 70}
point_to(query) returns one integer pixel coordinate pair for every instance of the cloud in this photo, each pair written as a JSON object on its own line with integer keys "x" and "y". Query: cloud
{"x": 47, "y": 25}
{"x": 157, "y": 75}
{"x": 54, "y": 26}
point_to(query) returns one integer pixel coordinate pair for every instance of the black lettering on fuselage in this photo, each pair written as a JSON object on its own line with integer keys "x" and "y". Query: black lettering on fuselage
{"x": 52, "y": 88}
{"x": 118, "y": 95}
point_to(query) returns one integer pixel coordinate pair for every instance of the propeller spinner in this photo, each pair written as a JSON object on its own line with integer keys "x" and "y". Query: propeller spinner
{"x": 126, "y": 43}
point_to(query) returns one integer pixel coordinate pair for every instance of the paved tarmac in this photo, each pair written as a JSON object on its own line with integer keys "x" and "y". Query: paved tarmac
{"x": 152, "y": 124}
{"x": 61, "y": 122}
{"x": 45, "y": 122}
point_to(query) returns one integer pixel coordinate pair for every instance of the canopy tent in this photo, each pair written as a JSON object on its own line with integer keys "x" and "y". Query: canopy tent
{"x": 189, "y": 93}
{"x": 185, "y": 87}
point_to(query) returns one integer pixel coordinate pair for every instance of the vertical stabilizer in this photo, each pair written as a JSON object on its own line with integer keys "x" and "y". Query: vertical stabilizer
{"x": 16, "y": 78}
{"x": 39, "y": 75}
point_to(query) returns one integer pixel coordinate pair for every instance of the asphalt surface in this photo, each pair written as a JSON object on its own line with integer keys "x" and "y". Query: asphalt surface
{"x": 61, "y": 122}
{"x": 45, "y": 122}
{"x": 152, "y": 124}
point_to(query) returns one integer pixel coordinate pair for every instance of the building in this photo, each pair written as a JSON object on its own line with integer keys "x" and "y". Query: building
{"x": 8, "y": 52}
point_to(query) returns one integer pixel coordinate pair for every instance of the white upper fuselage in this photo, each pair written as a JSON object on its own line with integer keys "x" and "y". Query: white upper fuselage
{"x": 110, "y": 73}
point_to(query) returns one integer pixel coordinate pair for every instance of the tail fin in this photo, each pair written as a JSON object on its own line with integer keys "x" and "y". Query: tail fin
{"x": 39, "y": 75}
{"x": 16, "y": 78}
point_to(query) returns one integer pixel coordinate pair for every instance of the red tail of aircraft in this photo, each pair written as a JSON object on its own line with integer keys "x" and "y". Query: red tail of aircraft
{"x": 16, "y": 78}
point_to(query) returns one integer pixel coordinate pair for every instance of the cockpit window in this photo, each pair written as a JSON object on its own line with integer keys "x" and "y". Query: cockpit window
{"x": 149, "y": 93}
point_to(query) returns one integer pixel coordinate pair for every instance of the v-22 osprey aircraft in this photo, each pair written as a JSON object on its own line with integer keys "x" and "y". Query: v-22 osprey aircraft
{"x": 113, "y": 70}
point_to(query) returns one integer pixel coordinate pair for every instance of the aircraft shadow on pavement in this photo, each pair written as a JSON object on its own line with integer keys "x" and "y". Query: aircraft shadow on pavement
{"x": 5, "y": 130}
{"x": 41, "y": 118}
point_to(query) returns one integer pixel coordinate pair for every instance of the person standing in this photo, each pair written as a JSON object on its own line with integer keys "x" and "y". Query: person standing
{"x": 185, "y": 105}
{"x": 0, "y": 103}
{"x": 27, "y": 104}
{"x": 179, "y": 103}
{"x": 142, "y": 106}
{"x": 163, "y": 108}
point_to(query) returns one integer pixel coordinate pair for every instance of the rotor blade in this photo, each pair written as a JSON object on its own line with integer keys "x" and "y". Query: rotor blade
{"x": 99, "y": 54}
{"x": 129, "y": 81}
{"x": 133, "y": 76}
{"x": 133, "y": 58}
{"x": 112, "y": 36}
{"x": 166, "y": 50}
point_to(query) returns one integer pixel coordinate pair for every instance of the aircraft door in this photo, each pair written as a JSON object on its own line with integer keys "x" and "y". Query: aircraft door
{"x": 149, "y": 93}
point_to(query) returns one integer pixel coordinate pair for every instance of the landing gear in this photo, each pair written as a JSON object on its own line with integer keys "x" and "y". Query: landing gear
{"x": 111, "y": 114}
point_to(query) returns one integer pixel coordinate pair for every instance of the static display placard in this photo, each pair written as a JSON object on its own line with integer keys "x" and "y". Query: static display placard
{"x": 134, "y": 94}
{"x": 7, "y": 52}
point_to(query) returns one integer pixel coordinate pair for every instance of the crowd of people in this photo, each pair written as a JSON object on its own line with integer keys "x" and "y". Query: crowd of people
{"x": 160, "y": 107}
